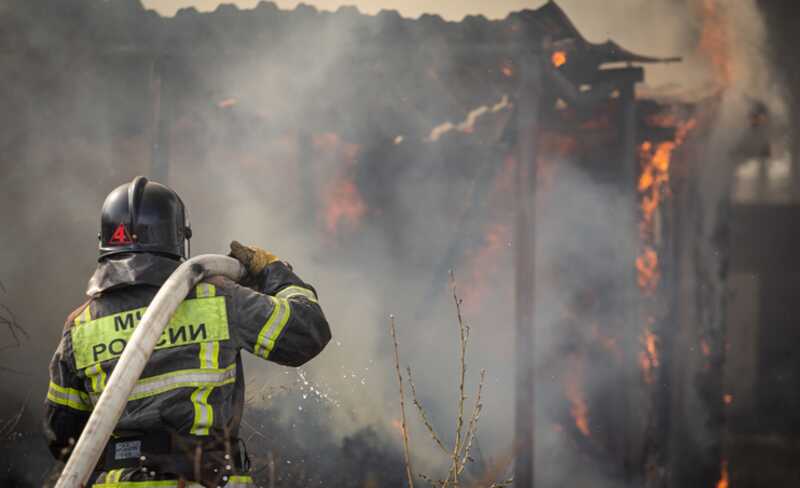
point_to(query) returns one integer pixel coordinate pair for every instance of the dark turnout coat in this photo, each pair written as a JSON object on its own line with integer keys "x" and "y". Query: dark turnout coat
{"x": 192, "y": 391}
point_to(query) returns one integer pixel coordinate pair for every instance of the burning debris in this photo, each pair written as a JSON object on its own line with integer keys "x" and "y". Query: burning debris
{"x": 574, "y": 387}
{"x": 723, "y": 477}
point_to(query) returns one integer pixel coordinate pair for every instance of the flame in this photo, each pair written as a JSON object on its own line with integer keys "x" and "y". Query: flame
{"x": 572, "y": 389}
{"x": 344, "y": 206}
{"x": 596, "y": 123}
{"x": 655, "y": 177}
{"x": 705, "y": 348}
{"x": 559, "y": 58}
{"x": 653, "y": 185}
{"x": 648, "y": 358}
{"x": 507, "y": 69}
{"x": 557, "y": 144}
{"x": 663, "y": 120}
{"x": 727, "y": 398}
{"x": 723, "y": 476}
{"x": 715, "y": 43}
{"x": 648, "y": 272}
{"x": 482, "y": 263}
{"x": 227, "y": 103}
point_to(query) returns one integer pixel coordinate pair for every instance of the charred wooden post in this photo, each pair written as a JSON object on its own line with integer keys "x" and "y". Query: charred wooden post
{"x": 670, "y": 239}
{"x": 632, "y": 436}
{"x": 631, "y": 381}
{"x": 697, "y": 414}
{"x": 524, "y": 238}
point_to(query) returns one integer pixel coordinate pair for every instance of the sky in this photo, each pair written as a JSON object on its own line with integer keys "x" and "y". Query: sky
{"x": 449, "y": 9}
{"x": 658, "y": 23}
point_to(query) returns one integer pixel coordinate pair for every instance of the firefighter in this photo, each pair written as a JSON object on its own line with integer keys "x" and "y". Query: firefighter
{"x": 180, "y": 426}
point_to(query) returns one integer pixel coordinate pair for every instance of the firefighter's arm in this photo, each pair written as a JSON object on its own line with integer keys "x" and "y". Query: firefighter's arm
{"x": 279, "y": 317}
{"x": 67, "y": 406}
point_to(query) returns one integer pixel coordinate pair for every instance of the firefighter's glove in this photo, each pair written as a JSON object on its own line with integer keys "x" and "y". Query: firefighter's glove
{"x": 253, "y": 258}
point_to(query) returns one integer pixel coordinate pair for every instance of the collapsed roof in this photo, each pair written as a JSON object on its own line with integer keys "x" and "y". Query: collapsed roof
{"x": 381, "y": 75}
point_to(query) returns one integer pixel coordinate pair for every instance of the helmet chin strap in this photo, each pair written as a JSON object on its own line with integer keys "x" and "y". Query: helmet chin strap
{"x": 187, "y": 231}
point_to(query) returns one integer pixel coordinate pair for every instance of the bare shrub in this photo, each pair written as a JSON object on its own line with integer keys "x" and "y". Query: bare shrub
{"x": 465, "y": 432}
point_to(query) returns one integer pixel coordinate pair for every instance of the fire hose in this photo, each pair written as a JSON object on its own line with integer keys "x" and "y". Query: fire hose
{"x": 134, "y": 357}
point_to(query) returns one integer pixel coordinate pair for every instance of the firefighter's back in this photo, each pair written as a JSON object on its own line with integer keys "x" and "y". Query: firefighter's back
{"x": 187, "y": 399}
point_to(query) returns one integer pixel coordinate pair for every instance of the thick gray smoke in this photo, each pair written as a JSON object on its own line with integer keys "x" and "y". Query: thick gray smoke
{"x": 77, "y": 125}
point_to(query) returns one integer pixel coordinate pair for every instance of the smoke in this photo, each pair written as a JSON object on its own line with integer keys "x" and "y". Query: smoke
{"x": 250, "y": 98}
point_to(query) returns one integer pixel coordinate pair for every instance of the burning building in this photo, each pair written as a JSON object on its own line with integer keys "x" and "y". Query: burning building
{"x": 573, "y": 205}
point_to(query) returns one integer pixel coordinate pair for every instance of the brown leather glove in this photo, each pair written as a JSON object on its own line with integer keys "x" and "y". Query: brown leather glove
{"x": 253, "y": 258}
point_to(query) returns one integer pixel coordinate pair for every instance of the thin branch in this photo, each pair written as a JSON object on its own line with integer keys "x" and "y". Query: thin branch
{"x": 10, "y": 321}
{"x": 409, "y": 470}
{"x": 502, "y": 484}
{"x": 8, "y": 427}
{"x": 463, "y": 334}
{"x": 11, "y": 370}
{"x": 472, "y": 429}
{"x": 430, "y": 481}
{"x": 255, "y": 431}
{"x": 422, "y": 413}
{"x": 498, "y": 467}
{"x": 466, "y": 435}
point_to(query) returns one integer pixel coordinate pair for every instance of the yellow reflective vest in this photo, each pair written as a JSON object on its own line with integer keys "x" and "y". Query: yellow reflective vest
{"x": 192, "y": 386}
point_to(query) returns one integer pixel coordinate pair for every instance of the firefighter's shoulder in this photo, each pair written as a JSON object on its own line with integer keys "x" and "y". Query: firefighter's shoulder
{"x": 80, "y": 315}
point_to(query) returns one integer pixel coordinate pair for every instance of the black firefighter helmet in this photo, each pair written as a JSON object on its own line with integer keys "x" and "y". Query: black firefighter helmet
{"x": 144, "y": 216}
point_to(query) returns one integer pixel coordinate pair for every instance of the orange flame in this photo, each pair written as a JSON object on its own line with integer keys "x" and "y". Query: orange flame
{"x": 507, "y": 69}
{"x": 723, "y": 477}
{"x": 227, "y": 103}
{"x": 648, "y": 358}
{"x": 714, "y": 42}
{"x": 579, "y": 409}
{"x": 727, "y": 398}
{"x": 653, "y": 186}
{"x": 344, "y": 206}
{"x": 559, "y": 58}
{"x": 649, "y": 274}
{"x": 482, "y": 263}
